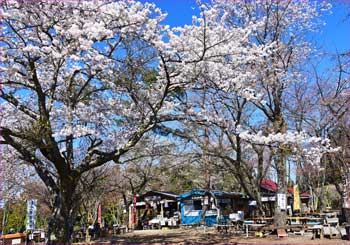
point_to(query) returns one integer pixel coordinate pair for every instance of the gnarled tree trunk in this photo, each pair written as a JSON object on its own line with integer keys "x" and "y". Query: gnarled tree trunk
{"x": 64, "y": 210}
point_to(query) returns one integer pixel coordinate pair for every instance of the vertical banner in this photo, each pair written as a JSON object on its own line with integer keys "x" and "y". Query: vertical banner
{"x": 346, "y": 190}
{"x": 134, "y": 210}
{"x": 282, "y": 201}
{"x": 296, "y": 200}
{"x": 31, "y": 212}
{"x": 99, "y": 214}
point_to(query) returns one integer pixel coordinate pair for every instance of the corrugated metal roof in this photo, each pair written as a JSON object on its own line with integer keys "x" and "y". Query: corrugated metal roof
{"x": 163, "y": 193}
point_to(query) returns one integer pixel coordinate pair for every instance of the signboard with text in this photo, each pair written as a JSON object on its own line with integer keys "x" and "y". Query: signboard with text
{"x": 31, "y": 212}
{"x": 282, "y": 201}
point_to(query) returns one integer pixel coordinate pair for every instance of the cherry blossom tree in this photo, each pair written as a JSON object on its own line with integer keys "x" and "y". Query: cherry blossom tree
{"x": 333, "y": 92}
{"x": 219, "y": 61}
{"x": 283, "y": 34}
{"x": 321, "y": 108}
{"x": 77, "y": 89}
{"x": 83, "y": 82}
{"x": 249, "y": 76}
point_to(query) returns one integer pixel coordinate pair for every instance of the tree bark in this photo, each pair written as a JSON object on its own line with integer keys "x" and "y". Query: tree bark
{"x": 281, "y": 214}
{"x": 204, "y": 211}
{"x": 323, "y": 197}
{"x": 53, "y": 226}
{"x": 279, "y": 126}
{"x": 64, "y": 210}
{"x": 126, "y": 204}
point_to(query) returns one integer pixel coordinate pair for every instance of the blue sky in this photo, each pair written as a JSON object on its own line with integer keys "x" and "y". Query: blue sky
{"x": 335, "y": 35}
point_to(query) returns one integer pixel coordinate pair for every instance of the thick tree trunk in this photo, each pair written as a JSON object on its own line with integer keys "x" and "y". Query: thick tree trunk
{"x": 280, "y": 216}
{"x": 53, "y": 223}
{"x": 64, "y": 206}
{"x": 280, "y": 212}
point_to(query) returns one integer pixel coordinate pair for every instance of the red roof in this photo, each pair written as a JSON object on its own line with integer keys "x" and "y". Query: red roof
{"x": 305, "y": 194}
{"x": 272, "y": 186}
{"x": 269, "y": 185}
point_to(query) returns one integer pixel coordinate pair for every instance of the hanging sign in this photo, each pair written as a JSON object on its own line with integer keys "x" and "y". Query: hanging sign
{"x": 282, "y": 201}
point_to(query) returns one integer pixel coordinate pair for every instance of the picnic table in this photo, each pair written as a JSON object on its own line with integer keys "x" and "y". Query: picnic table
{"x": 161, "y": 222}
{"x": 263, "y": 220}
{"x": 305, "y": 220}
{"x": 263, "y": 224}
{"x": 253, "y": 226}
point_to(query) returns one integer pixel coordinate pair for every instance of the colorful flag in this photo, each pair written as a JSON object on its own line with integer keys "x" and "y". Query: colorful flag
{"x": 296, "y": 202}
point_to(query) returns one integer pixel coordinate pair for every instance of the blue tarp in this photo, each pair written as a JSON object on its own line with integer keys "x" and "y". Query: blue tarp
{"x": 192, "y": 217}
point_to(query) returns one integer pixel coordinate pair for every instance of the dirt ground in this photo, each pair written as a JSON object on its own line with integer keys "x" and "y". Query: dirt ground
{"x": 210, "y": 236}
